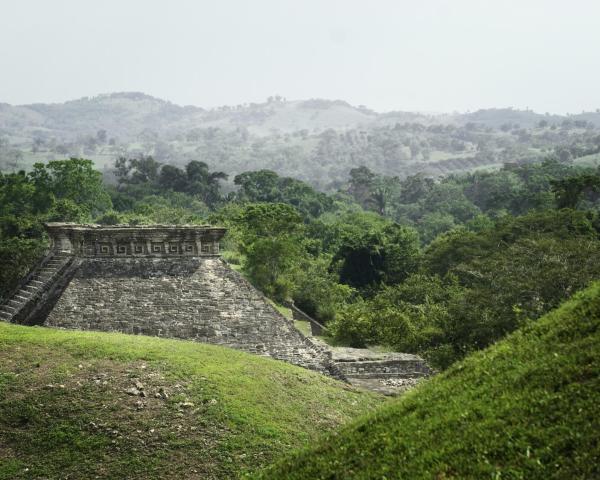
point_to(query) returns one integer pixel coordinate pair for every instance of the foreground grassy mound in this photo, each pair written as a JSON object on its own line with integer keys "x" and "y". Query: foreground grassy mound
{"x": 526, "y": 408}
{"x": 96, "y": 405}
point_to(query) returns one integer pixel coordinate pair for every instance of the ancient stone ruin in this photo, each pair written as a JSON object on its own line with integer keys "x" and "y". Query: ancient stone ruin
{"x": 160, "y": 280}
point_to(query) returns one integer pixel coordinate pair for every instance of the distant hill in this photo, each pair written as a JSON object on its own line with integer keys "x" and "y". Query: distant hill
{"x": 96, "y": 405}
{"x": 127, "y": 114}
{"x": 315, "y": 140}
{"x": 525, "y": 408}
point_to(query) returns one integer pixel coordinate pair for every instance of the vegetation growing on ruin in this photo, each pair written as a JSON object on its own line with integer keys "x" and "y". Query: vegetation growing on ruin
{"x": 93, "y": 405}
{"x": 524, "y": 408}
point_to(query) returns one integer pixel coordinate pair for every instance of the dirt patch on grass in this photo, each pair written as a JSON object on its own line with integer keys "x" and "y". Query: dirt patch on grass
{"x": 124, "y": 420}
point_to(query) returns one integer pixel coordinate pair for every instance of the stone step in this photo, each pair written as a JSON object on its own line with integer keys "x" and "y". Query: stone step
{"x": 15, "y": 303}
{"x": 382, "y": 376}
{"x": 22, "y": 297}
{"x": 5, "y": 315}
{"x": 30, "y": 288}
{"x": 43, "y": 276}
{"x": 8, "y": 308}
{"x": 46, "y": 274}
{"x": 36, "y": 283}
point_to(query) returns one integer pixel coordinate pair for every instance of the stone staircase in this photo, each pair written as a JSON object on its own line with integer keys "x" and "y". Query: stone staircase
{"x": 32, "y": 289}
{"x": 389, "y": 373}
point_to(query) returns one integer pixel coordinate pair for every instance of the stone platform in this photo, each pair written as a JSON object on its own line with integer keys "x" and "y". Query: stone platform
{"x": 169, "y": 281}
{"x": 389, "y": 373}
{"x": 161, "y": 281}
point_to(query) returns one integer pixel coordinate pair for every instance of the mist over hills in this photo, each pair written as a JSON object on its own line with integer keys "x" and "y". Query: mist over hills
{"x": 316, "y": 140}
{"x": 128, "y": 114}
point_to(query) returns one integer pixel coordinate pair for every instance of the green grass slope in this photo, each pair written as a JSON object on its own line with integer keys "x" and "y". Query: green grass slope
{"x": 526, "y": 408}
{"x": 95, "y": 405}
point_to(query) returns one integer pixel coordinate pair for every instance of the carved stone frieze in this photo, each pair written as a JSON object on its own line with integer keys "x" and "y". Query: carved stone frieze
{"x": 135, "y": 241}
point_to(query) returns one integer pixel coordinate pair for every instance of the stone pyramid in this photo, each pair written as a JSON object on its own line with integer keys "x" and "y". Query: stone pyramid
{"x": 166, "y": 281}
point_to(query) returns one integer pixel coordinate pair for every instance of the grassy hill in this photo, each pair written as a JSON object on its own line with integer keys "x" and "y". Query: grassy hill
{"x": 84, "y": 405}
{"x": 526, "y": 408}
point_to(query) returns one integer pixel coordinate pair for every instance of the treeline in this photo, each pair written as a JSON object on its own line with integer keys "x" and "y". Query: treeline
{"x": 473, "y": 199}
{"x": 320, "y": 157}
{"x": 470, "y": 288}
{"x": 439, "y": 268}
{"x": 324, "y": 159}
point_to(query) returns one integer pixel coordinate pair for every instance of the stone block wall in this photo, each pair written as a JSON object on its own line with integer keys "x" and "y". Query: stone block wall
{"x": 383, "y": 368}
{"x": 364, "y": 363}
{"x": 135, "y": 241}
{"x": 195, "y": 298}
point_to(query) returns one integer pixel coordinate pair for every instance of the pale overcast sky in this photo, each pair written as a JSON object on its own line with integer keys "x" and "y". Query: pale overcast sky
{"x": 430, "y": 55}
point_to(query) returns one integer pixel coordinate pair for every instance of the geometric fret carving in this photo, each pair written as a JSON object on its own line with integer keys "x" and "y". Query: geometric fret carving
{"x": 139, "y": 240}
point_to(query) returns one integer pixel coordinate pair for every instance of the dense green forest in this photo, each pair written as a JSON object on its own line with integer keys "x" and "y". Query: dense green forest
{"x": 436, "y": 267}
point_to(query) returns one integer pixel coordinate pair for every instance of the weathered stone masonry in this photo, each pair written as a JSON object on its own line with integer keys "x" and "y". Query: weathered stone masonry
{"x": 162, "y": 281}
{"x": 123, "y": 241}
{"x": 169, "y": 281}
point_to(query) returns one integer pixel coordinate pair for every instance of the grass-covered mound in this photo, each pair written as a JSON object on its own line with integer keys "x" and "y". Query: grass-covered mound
{"x": 95, "y": 405}
{"x": 526, "y": 408}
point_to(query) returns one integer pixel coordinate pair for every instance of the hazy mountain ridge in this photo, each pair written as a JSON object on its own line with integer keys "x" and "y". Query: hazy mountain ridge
{"x": 127, "y": 114}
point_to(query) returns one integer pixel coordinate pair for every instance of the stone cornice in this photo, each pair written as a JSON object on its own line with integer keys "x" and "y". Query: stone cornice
{"x": 90, "y": 240}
